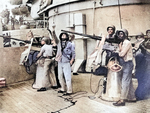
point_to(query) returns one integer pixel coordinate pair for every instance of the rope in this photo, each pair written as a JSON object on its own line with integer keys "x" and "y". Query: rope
{"x": 97, "y": 88}
{"x": 70, "y": 99}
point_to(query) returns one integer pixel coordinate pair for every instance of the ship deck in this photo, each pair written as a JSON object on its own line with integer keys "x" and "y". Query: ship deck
{"x": 22, "y": 98}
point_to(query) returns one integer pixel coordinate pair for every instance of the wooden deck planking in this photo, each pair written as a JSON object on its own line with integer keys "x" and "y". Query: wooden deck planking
{"x": 50, "y": 98}
{"x": 30, "y": 99}
{"x": 23, "y": 102}
{"x": 22, "y": 98}
{"x": 33, "y": 101}
{"x": 19, "y": 101}
{"x": 8, "y": 102}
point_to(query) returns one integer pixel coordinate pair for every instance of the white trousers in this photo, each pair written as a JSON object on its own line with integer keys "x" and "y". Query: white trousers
{"x": 42, "y": 74}
{"x": 64, "y": 75}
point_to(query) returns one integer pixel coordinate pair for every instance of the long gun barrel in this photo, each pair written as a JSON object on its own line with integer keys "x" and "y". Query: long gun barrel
{"x": 113, "y": 40}
{"x": 85, "y": 35}
{"x": 26, "y": 41}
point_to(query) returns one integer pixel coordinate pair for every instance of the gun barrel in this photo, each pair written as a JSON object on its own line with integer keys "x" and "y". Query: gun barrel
{"x": 137, "y": 35}
{"x": 114, "y": 40}
{"x": 94, "y": 37}
{"x": 15, "y": 39}
{"x": 85, "y": 35}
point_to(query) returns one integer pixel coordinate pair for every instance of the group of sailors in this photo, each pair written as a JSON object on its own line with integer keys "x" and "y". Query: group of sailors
{"x": 127, "y": 55}
{"x": 57, "y": 56}
{"x": 54, "y": 63}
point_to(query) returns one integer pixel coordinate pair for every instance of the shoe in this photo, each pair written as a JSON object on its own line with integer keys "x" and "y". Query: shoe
{"x": 59, "y": 86}
{"x": 54, "y": 87}
{"x": 42, "y": 89}
{"x": 67, "y": 94}
{"x": 119, "y": 103}
{"x": 75, "y": 74}
{"x": 61, "y": 91}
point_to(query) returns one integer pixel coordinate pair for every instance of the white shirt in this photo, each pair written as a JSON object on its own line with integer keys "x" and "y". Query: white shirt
{"x": 46, "y": 50}
{"x": 126, "y": 51}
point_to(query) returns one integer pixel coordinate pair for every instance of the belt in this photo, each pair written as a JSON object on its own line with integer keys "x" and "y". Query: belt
{"x": 50, "y": 57}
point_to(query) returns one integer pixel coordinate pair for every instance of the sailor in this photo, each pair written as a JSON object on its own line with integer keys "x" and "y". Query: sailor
{"x": 140, "y": 39}
{"x": 108, "y": 47}
{"x": 54, "y": 68}
{"x": 108, "y": 58}
{"x": 126, "y": 57}
{"x": 138, "y": 55}
{"x": 65, "y": 57}
{"x": 42, "y": 81}
{"x": 143, "y": 70}
{"x": 25, "y": 54}
{"x": 104, "y": 52}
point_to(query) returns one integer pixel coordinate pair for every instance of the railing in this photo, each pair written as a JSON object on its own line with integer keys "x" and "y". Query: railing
{"x": 25, "y": 24}
{"x": 36, "y": 23}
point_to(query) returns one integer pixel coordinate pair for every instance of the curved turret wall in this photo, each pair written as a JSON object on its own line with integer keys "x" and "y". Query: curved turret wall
{"x": 130, "y": 14}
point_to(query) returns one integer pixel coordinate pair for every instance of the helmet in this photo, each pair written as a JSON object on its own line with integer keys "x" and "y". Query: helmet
{"x": 125, "y": 33}
{"x": 113, "y": 27}
{"x": 147, "y": 31}
{"x": 67, "y": 36}
{"x": 140, "y": 34}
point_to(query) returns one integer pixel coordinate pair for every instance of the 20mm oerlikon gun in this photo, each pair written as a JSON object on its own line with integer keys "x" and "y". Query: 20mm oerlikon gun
{"x": 112, "y": 40}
